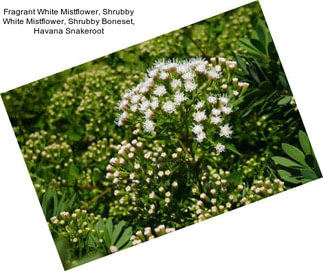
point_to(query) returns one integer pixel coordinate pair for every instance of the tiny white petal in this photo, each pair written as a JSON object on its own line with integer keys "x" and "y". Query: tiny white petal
{"x": 219, "y": 148}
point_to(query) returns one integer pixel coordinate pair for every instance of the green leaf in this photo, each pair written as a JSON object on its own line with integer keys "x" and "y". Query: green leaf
{"x": 266, "y": 85}
{"x": 286, "y": 176}
{"x": 246, "y": 44}
{"x": 235, "y": 177}
{"x": 294, "y": 153}
{"x": 117, "y": 230}
{"x": 241, "y": 64}
{"x": 286, "y": 162}
{"x": 54, "y": 196}
{"x": 254, "y": 74}
{"x": 99, "y": 226}
{"x": 75, "y": 133}
{"x": 109, "y": 226}
{"x": 258, "y": 45}
{"x": 92, "y": 240}
{"x": 309, "y": 174}
{"x": 304, "y": 142}
{"x": 73, "y": 172}
{"x": 283, "y": 81}
{"x": 272, "y": 51}
{"x": 232, "y": 148}
{"x": 124, "y": 238}
{"x": 262, "y": 33}
{"x": 284, "y": 100}
{"x": 129, "y": 244}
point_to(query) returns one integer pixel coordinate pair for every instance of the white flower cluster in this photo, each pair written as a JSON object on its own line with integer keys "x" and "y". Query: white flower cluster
{"x": 200, "y": 88}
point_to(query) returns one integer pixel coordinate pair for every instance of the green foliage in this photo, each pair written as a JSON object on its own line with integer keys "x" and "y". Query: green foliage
{"x": 225, "y": 133}
{"x": 301, "y": 165}
{"x": 80, "y": 236}
{"x": 53, "y": 205}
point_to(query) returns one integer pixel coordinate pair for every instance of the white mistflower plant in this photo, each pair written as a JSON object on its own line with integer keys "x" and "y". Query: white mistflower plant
{"x": 189, "y": 101}
{"x": 179, "y": 116}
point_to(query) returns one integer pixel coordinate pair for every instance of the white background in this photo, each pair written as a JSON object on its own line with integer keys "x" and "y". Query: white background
{"x": 284, "y": 232}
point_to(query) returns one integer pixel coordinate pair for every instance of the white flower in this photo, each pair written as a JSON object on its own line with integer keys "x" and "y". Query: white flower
{"x": 224, "y": 100}
{"x": 160, "y": 91}
{"x": 216, "y": 120}
{"x": 149, "y": 126}
{"x": 212, "y": 99}
{"x": 188, "y": 76}
{"x": 216, "y": 112}
{"x": 201, "y": 68}
{"x": 119, "y": 122}
{"x": 199, "y": 105}
{"x": 183, "y": 68}
{"x": 197, "y": 129}
{"x": 153, "y": 73}
{"x": 155, "y": 103}
{"x": 176, "y": 83}
{"x": 231, "y": 64}
{"x": 124, "y": 115}
{"x": 126, "y": 96}
{"x": 190, "y": 86}
{"x": 164, "y": 75}
{"x": 144, "y": 105}
{"x": 159, "y": 64}
{"x": 134, "y": 108}
{"x": 170, "y": 66}
{"x": 169, "y": 107}
{"x": 200, "y": 137}
{"x": 135, "y": 99}
{"x": 219, "y": 148}
{"x": 149, "y": 114}
{"x": 179, "y": 97}
{"x": 213, "y": 74}
{"x": 123, "y": 104}
{"x": 226, "y": 110}
{"x": 236, "y": 93}
{"x": 226, "y": 131}
{"x": 143, "y": 88}
{"x": 217, "y": 68}
{"x": 149, "y": 82}
{"x": 199, "y": 116}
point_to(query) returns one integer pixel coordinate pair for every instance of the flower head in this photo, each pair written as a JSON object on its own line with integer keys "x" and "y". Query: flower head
{"x": 149, "y": 126}
{"x": 216, "y": 120}
{"x": 200, "y": 137}
{"x": 226, "y": 131}
{"x": 226, "y": 110}
{"x": 199, "y": 105}
{"x": 179, "y": 97}
{"x": 199, "y": 116}
{"x": 197, "y": 129}
{"x": 176, "y": 83}
{"x": 212, "y": 100}
{"x": 219, "y": 148}
{"x": 169, "y": 107}
{"x": 190, "y": 86}
{"x": 160, "y": 91}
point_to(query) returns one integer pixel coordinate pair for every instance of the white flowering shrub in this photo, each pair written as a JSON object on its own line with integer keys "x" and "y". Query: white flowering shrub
{"x": 190, "y": 101}
{"x": 159, "y": 145}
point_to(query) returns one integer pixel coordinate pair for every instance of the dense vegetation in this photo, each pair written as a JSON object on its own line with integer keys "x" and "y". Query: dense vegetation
{"x": 161, "y": 135}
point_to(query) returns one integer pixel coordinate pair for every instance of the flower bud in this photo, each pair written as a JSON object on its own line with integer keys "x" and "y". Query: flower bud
{"x": 113, "y": 249}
